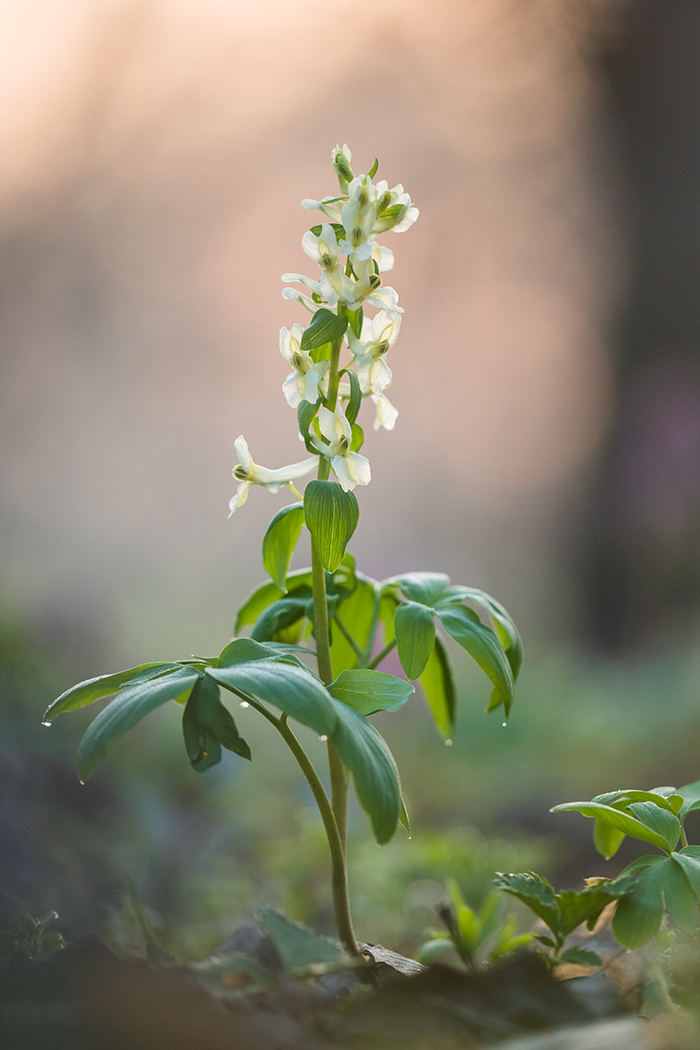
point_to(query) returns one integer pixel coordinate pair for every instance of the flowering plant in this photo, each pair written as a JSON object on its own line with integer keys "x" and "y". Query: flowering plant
{"x": 331, "y": 613}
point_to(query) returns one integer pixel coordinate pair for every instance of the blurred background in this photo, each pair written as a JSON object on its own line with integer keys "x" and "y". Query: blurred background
{"x": 154, "y": 154}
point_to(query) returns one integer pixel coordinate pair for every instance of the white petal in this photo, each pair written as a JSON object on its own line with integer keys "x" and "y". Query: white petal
{"x": 290, "y": 389}
{"x": 241, "y": 447}
{"x": 407, "y": 221}
{"x": 340, "y": 466}
{"x": 358, "y": 468}
{"x": 386, "y": 413}
{"x": 240, "y": 497}
{"x": 326, "y": 423}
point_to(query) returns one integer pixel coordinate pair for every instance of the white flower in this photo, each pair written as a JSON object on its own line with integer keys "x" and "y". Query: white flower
{"x": 248, "y": 473}
{"x": 386, "y": 413}
{"x": 334, "y": 285}
{"x": 379, "y": 334}
{"x": 329, "y": 206}
{"x": 350, "y": 468}
{"x": 394, "y": 209}
{"x": 387, "y": 299}
{"x": 340, "y": 158}
{"x": 302, "y": 383}
{"x": 358, "y": 216}
{"x": 299, "y": 297}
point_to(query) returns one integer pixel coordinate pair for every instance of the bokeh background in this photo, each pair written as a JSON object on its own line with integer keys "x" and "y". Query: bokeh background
{"x": 154, "y": 154}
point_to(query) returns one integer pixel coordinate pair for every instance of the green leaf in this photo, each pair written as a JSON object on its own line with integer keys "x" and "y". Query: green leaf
{"x": 280, "y": 540}
{"x": 534, "y": 890}
{"x": 431, "y": 949}
{"x": 355, "y": 318}
{"x": 243, "y": 650}
{"x": 623, "y": 822}
{"x": 622, "y": 799}
{"x": 207, "y": 726}
{"x": 125, "y": 711}
{"x": 415, "y": 637}
{"x": 331, "y": 518}
{"x": 503, "y": 624}
{"x": 355, "y": 611}
{"x": 577, "y": 906}
{"x": 366, "y": 754}
{"x": 266, "y": 594}
{"x": 277, "y": 616}
{"x": 306, "y": 413}
{"x": 678, "y": 894}
{"x": 355, "y": 401}
{"x": 373, "y": 170}
{"x": 483, "y": 646}
{"x": 691, "y": 798}
{"x": 325, "y": 327}
{"x": 297, "y": 946}
{"x": 424, "y": 587}
{"x": 581, "y": 957}
{"x": 290, "y": 687}
{"x": 658, "y": 819}
{"x": 106, "y": 684}
{"x": 439, "y": 688}
{"x": 638, "y": 915}
{"x": 368, "y": 691}
{"x": 606, "y": 839}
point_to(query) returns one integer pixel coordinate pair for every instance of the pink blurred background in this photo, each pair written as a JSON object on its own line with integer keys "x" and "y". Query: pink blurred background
{"x": 154, "y": 157}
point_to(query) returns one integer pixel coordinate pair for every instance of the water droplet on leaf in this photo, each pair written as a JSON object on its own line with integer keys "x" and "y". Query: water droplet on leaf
{"x": 82, "y": 783}
{"x": 323, "y": 738}
{"x": 504, "y": 724}
{"x": 448, "y": 743}
{"x": 244, "y": 703}
{"x": 47, "y": 723}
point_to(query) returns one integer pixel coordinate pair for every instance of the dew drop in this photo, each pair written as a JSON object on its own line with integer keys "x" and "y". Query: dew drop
{"x": 82, "y": 783}
{"x": 244, "y": 703}
{"x": 47, "y": 723}
{"x": 410, "y": 836}
{"x": 448, "y": 743}
{"x": 504, "y": 724}
{"x": 323, "y": 738}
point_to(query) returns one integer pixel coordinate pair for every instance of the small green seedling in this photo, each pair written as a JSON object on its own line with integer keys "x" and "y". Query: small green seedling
{"x": 563, "y": 912}
{"x": 318, "y": 636}
{"x": 669, "y": 880}
{"x": 480, "y": 937}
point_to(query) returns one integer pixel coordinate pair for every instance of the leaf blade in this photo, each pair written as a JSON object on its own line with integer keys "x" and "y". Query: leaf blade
{"x": 367, "y": 691}
{"x": 280, "y": 540}
{"x": 414, "y": 626}
{"x": 331, "y": 517}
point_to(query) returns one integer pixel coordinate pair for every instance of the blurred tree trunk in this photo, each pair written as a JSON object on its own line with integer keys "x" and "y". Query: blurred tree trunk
{"x": 642, "y": 549}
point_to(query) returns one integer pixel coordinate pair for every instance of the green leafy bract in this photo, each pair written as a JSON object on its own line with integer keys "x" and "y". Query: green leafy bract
{"x": 415, "y": 636}
{"x": 280, "y": 540}
{"x": 355, "y": 318}
{"x": 368, "y": 691}
{"x": 208, "y": 726}
{"x": 366, "y": 754}
{"x": 439, "y": 688}
{"x": 286, "y": 685}
{"x": 331, "y": 517}
{"x": 355, "y": 401}
{"x": 607, "y": 839}
{"x": 96, "y": 688}
{"x": 484, "y": 647}
{"x": 691, "y": 798}
{"x": 122, "y": 713}
{"x": 306, "y": 413}
{"x": 325, "y": 327}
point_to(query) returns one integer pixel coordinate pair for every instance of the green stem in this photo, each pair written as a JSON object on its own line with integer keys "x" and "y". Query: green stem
{"x": 684, "y": 837}
{"x": 339, "y": 879}
{"x": 385, "y": 652}
{"x": 338, "y": 773}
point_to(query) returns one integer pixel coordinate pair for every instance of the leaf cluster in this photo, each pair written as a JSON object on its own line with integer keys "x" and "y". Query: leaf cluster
{"x": 563, "y": 912}
{"x": 661, "y": 882}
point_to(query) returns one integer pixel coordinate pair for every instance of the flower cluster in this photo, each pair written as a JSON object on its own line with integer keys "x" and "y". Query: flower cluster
{"x": 352, "y": 263}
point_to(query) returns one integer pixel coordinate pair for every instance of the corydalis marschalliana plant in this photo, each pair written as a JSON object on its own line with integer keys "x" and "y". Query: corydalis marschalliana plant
{"x": 330, "y": 613}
